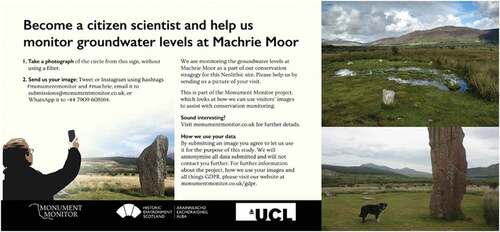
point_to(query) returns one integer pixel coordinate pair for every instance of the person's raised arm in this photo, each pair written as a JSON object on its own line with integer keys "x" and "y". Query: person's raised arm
{"x": 56, "y": 181}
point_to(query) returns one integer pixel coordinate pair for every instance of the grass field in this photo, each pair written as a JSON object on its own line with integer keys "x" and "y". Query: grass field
{"x": 357, "y": 100}
{"x": 367, "y": 189}
{"x": 99, "y": 187}
{"x": 406, "y": 211}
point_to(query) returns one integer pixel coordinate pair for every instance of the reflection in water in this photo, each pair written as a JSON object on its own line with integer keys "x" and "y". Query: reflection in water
{"x": 450, "y": 83}
{"x": 443, "y": 80}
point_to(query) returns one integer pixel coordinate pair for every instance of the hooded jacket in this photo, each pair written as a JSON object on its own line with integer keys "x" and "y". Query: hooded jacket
{"x": 26, "y": 183}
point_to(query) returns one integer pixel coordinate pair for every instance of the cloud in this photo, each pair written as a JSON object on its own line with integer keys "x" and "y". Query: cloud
{"x": 487, "y": 15}
{"x": 369, "y": 21}
{"x": 130, "y": 137}
{"x": 481, "y": 146}
{"x": 402, "y": 21}
{"x": 485, "y": 23}
{"x": 488, "y": 8}
{"x": 345, "y": 22}
{"x": 447, "y": 20}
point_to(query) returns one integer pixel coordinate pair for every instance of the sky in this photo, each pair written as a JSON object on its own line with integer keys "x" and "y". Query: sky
{"x": 370, "y": 21}
{"x": 129, "y": 137}
{"x": 401, "y": 147}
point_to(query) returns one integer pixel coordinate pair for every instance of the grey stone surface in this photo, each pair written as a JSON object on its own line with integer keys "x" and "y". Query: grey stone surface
{"x": 449, "y": 169}
{"x": 152, "y": 167}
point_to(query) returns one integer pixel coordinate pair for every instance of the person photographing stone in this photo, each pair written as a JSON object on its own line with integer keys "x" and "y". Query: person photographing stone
{"x": 22, "y": 182}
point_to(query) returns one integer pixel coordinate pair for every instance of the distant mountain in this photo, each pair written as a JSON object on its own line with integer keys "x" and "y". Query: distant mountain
{"x": 374, "y": 169}
{"x": 340, "y": 42}
{"x": 118, "y": 159}
{"x": 483, "y": 172}
{"x": 171, "y": 155}
{"x": 115, "y": 165}
{"x": 403, "y": 171}
{"x": 358, "y": 170}
{"x": 446, "y": 34}
{"x": 124, "y": 160}
{"x": 490, "y": 35}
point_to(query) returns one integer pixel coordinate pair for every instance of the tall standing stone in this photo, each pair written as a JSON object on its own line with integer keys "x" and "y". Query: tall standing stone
{"x": 152, "y": 167}
{"x": 449, "y": 168}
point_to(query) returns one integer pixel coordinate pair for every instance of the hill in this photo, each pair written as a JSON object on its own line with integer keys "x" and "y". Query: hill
{"x": 341, "y": 176}
{"x": 340, "y": 42}
{"x": 115, "y": 166}
{"x": 403, "y": 171}
{"x": 483, "y": 172}
{"x": 446, "y": 34}
{"x": 118, "y": 159}
{"x": 376, "y": 174}
{"x": 360, "y": 170}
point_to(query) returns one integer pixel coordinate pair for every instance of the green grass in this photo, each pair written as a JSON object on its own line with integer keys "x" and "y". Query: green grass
{"x": 99, "y": 187}
{"x": 109, "y": 195}
{"x": 406, "y": 211}
{"x": 357, "y": 101}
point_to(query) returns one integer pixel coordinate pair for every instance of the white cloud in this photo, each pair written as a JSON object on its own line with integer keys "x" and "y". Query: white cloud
{"x": 450, "y": 20}
{"x": 342, "y": 20}
{"x": 402, "y": 21}
{"x": 369, "y": 21}
{"x": 486, "y": 23}
{"x": 347, "y": 23}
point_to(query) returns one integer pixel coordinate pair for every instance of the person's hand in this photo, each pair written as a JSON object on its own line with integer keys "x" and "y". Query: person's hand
{"x": 74, "y": 144}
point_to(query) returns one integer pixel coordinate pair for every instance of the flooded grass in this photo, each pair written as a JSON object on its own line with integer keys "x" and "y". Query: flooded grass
{"x": 443, "y": 81}
{"x": 425, "y": 96}
{"x": 477, "y": 64}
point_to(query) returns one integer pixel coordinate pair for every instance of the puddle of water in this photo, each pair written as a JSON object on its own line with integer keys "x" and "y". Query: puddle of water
{"x": 436, "y": 84}
{"x": 345, "y": 73}
{"x": 446, "y": 82}
{"x": 462, "y": 85}
{"x": 452, "y": 79}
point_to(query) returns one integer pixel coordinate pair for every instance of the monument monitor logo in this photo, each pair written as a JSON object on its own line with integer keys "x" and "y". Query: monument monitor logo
{"x": 50, "y": 211}
{"x": 265, "y": 212}
{"x": 128, "y": 210}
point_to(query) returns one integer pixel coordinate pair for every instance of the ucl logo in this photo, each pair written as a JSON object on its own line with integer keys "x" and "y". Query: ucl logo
{"x": 265, "y": 212}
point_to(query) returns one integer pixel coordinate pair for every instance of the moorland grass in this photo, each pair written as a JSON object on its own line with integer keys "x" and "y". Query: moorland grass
{"x": 406, "y": 211}
{"x": 119, "y": 187}
{"x": 491, "y": 208}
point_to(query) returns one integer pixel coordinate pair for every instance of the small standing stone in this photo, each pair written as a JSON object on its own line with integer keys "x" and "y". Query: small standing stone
{"x": 388, "y": 97}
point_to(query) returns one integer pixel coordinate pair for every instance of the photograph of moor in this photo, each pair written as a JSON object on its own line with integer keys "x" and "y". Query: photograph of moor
{"x": 410, "y": 63}
{"x": 410, "y": 178}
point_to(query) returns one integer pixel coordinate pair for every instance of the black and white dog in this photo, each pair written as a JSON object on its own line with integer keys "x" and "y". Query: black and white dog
{"x": 376, "y": 210}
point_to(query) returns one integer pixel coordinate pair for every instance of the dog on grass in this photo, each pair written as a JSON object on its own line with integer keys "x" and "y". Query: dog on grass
{"x": 376, "y": 210}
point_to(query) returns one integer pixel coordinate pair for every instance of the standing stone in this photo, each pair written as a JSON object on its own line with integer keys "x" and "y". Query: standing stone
{"x": 449, "y": 168}
{"x": 152, "y": 166}
{"x": 388, "y": 97}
